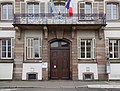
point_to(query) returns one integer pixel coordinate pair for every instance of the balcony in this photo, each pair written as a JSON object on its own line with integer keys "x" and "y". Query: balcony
{"x": 59, "y": 21}
{"x": 59, "y": 18}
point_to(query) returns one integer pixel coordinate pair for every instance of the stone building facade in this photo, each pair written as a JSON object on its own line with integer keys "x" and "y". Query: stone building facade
{"x": 36, "y": 44}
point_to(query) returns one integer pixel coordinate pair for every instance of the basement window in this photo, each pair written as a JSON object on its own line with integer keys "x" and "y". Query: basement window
{"x": 88, "y": 76}
{"x": 32, "y": 76}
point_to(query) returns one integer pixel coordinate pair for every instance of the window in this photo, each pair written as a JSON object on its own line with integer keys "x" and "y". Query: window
{"x": 59, "y": 12}
{"x": 33, "y": 8}
{"x": 60, "y": 44}
{"x": 32, "y": 76}
{"x": 6, "y": 12}
{"x": 113, "y": 48}
{"x": 6, "y": 48}
{"x": 59, "y": 8}
{"x": 33, "y": 11}
{"x": 88, "y": 76}
{"x": 33, "y": 48}
{"x": 86, "y": 48}
{"x": 112, "y": 11}
{"x": 85, "y": 10}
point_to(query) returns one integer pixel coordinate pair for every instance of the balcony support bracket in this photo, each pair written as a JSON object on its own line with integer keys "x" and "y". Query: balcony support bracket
{"x": 100, "y": 32}
{"x": 45, "y": 32}
{"x": 18, "y": 32}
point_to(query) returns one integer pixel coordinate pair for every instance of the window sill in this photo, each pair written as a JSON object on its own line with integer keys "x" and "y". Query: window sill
{"x": 114, "y": 58}
{"x": 6, "y": 60}
{"x": 86, "y": 60}
{"x": 34, "y": 58}
{"x": 33, "y": 61}
{"x": 117, "y": 20}
{"x": 6, "y": 20}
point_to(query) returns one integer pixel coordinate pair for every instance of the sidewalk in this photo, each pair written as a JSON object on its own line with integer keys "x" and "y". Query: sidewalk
{"x": 59, "y": 84}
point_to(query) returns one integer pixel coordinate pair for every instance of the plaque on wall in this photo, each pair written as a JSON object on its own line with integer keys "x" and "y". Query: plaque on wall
{"x": 44, "y": 65}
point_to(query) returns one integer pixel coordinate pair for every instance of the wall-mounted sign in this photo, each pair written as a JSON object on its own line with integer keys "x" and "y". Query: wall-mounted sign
{"x": 44, "y": 65}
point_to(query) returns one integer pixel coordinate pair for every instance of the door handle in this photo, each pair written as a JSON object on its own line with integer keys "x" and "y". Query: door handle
{"x": 55, "y": 66}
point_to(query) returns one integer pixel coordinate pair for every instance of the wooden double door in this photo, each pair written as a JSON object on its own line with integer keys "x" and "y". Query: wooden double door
{"x": 60, "y": 60}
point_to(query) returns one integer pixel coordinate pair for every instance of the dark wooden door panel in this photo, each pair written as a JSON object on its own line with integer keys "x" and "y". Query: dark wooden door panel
{"x": 54, "y": 64}
{"x": 65, "y": 64}
{"x": 60, "y": 65}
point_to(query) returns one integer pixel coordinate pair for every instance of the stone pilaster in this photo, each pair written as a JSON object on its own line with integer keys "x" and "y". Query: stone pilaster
{"x": 74, "y": 56}
{"x": 45, "y": 55}
{"x": 100, "y": 55}
{"x": 18, "y": 55}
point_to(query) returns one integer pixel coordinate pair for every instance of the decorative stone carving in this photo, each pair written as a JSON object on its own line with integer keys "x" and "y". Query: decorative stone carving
{"x": 100, "y": 33}
{"x": 45, "y": 32}
{"x": 18, "y": 32}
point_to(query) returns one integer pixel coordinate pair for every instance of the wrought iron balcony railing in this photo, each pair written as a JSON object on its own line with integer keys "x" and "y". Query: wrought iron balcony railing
{"x": 57, "y": 18}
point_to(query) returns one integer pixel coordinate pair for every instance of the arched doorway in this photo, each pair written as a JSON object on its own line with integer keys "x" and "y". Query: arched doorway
{"x": 60, "y": 60}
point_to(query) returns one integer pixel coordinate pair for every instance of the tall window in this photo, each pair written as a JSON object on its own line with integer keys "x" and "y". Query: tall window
{"x": 59, "y": 11}
{"x": 33, "y": 8}
{"x": 86, "y": 48}
{"x": 6, "y": 11}
{"x": 33, "y": 48}
{"x": 6, "y": 48}
{"x": 85, "y": 10}
{"x": 112, "y": 11}
{"x": 59, "y": 8}
{"x": 113, "y": 48}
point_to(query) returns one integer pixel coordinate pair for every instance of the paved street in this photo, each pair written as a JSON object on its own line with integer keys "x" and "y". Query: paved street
{"x": 59, "y": 85}
{"x": 53, "y": 84}
{"x": 59, "y": 89}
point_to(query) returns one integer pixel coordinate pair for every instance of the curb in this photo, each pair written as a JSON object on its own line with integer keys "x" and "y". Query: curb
{"x": 88, "y": 86}
{"x": 103, "y": 86}
{"x": 21, "y": 87}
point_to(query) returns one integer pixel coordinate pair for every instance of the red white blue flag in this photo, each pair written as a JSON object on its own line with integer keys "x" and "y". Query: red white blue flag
{"x": 69, "y": 8}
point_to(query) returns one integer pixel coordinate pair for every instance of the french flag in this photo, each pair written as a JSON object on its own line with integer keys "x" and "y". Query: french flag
{"x": 69, "y": 8}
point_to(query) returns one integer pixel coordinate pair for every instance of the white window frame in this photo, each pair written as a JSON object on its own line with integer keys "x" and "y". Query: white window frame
{"x": 33, "y": 19}
{"x": 85, "y": 11}
{"x": 113, "y": 57}
{"x": 32, "y": 47}
{"x": 6, "y": 11}
{"x": 33, "y": 7}
{"x": 86, "y": 49}
{"x": 95, "y": 7}
{"x": 6, "y": 49}
{"x": 93, "y": 48}
{"x": 111, "y": 11}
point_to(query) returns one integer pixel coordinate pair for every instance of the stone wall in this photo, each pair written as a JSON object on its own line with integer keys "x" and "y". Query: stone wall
{"x": 63, "y": 34}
